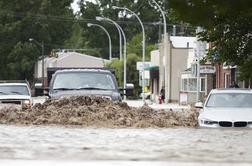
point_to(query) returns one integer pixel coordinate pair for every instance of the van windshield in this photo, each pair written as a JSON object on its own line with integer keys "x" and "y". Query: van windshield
{"x": 83, "y": 80}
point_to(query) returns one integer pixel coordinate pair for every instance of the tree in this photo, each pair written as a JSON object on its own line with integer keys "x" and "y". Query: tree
{"x": 43, "y": 20}
{"x": 133, "y": 74}
{"x": 117, "y": 65}
{"x": 22, "y": 59}
{"x": 227, "y": 26}
{"x": 135, "y": 47}
{"x": 149, "y": 16}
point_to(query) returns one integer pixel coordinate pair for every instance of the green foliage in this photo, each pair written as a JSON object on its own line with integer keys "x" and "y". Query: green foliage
{"x": 132, "y": 74}
{"x": 43, "y": 20}
{"x": 117, "y": 65}
{"x": 53, "y": 22}
{"x": 135, "y": 47}
{"x": 227, "y": 25}
{"x": 245, "y": 70}
{"x": 97, "y": 38}
{"x": 22, "y": 59}
{"x": 75, "y": 40}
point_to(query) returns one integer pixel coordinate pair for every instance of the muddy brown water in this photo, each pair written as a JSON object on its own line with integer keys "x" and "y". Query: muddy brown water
{"x": 148, "y": 144}
{"x": 87, "y": 128}
{"x": 96, "y": 112}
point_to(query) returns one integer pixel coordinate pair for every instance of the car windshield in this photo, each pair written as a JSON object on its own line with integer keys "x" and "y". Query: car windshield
{"x": 14, "y": 90}
{"x": 230, "y": 100}
{"x": 83, "y": 80}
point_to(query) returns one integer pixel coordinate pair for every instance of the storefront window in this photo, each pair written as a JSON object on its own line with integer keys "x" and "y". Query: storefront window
{"x": 184, "y": 85}
{"x": 202, "y": 84}
{"x": 190, "y": 84}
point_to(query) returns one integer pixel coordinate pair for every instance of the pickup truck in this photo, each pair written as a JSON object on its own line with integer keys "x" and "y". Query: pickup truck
{"x": 76, "y": 82}
{"x": 15, "y": 92}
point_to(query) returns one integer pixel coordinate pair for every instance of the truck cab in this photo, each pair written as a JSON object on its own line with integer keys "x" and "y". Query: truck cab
{"x": 75, "y": 82}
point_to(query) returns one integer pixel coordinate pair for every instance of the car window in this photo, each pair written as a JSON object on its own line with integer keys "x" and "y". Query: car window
{"x": 230, "y": 100}
{"x": 80, "y": 80}
{"x": 14, "y": 90}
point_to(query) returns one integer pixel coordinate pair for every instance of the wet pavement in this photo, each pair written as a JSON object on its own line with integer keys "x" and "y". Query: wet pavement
{"x": 156, "y": 146}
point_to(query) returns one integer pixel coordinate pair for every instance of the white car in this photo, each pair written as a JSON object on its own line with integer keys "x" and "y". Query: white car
{"x": 226, "y": 108}
{"x": 15, "y": 93}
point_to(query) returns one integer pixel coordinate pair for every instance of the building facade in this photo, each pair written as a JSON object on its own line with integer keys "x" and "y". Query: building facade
{"x": 65, "y": 60}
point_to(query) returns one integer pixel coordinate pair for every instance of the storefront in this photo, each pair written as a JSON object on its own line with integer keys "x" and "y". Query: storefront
{"x": 154, "y": 81}
{"x": 188, "y": 90}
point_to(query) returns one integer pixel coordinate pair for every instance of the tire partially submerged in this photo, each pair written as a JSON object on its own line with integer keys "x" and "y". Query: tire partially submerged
{"x": 91, "y": 111}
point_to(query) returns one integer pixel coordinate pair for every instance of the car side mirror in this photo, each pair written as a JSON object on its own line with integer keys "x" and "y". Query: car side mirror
{"x": 198, "y": 105}
{"x": 129, "y": 89}
{"x": 40, "y": 90}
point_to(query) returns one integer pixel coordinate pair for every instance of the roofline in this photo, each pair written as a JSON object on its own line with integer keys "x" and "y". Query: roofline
{"x": 76, "y": 53}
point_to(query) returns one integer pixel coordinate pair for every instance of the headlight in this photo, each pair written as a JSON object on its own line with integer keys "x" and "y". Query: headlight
{"x": 207, "y": 122}
{"x": 26, "y": 104}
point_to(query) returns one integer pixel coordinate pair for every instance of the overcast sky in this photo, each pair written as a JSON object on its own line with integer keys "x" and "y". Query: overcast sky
{"x": 75, "y": 6}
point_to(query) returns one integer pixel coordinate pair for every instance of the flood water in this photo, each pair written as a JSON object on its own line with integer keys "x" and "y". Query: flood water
{"x": 85, "y": 144}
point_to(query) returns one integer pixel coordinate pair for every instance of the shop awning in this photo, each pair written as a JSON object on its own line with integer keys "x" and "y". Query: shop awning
{"x": 154, "y": 72}
{"x": 152, "y": 68}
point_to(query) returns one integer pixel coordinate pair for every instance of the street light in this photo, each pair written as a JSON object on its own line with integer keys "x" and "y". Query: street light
{"x": 167, "y": 73}
{"x": 120, "y": 36}
{"x": 125, "y": 52}
{"x": 110, "y": 47}
{"x": 143, "y": 44}
{"x": 43, "y": 58}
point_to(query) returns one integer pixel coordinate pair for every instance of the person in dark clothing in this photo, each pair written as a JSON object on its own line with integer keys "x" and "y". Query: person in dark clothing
{"x": 233, "y": 85}
{"x": 162, "y": 95}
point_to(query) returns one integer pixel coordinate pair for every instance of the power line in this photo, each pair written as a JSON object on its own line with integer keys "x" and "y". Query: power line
{"x": 73, "y": 19}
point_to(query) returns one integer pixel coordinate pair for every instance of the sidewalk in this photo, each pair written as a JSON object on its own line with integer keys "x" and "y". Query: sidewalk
{"x": 173, "y": 106}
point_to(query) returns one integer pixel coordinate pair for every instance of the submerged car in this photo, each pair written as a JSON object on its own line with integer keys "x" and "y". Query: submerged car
{"x": 226, "y": 108}
{"x": 84, "y": 82}
{"x": 16, "y": 93}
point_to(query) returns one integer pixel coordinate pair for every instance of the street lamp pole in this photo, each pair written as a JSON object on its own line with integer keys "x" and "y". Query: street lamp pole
{"x": 125, "y": 50}
{"x": 110, "y": 47}
{"x": 143, "y": 45}
{"x": 163, "y": 15}
{"x": 120, "y": 36}
{"x": 167, "y": 66}
{"x": 43, "y": 58}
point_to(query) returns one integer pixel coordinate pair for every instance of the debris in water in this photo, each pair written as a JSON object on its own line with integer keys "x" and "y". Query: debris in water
{"x": 91, "y": 111}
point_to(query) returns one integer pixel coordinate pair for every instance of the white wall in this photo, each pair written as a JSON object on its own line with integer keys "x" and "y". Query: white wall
{"x": 71, "y": 59}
